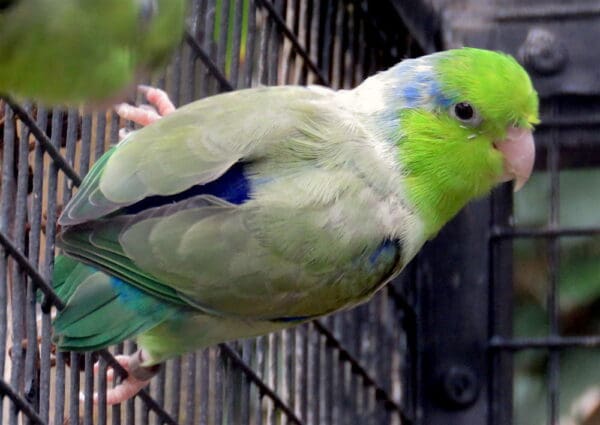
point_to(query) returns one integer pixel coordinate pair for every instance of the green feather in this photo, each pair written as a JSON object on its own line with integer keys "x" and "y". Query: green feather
{"x": 98, "y": 313}
{"x": 74, "y": 51}
{"x": 448, "y": 163}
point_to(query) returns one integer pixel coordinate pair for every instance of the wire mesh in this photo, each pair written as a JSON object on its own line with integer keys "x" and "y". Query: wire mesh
{"x": 557, "y": 154}
{"x": 339, "y": 370}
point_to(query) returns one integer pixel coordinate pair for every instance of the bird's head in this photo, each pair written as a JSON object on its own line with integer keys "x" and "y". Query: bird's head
{"x": 465, "y": 125}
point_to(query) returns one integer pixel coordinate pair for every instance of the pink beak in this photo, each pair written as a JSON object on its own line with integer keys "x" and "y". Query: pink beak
{"x": 519, "y": 154}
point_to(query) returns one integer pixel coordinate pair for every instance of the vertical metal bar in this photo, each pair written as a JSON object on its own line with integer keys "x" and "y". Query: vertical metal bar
{"x": 236, "y": 41}
{"x": 229, "y": 394}
{"x": 175, "y": 80}
{"x": 6, "y": 190}
{"x": 86, "y": 144}
{"x": 159, "y": 390}
{"x": 32, "y": 386}
{"x": 100, "y": 135}
{"x": 245, "y": 388}
{"x": 223, "y": 30}
{"x": 130, "y": 404}
{"x": 453, "y": 372}
{"x": 553, "y": 264}
{"x": 289, "y": 354}
{"x": 35, "y": 220}
{"x": 51, "y": 196}
{"x": 175, "y": 387}
{"x": 9, "y": 185}
{"x": 204, "y": 386}
{"x": 340, "y": 46}
{"x": 328, "y": 38}
{"x": 261, "y": 362}
{"x": 270, "y": 373}
{"x": 265, "y": 46}
{"x": 71, "y": 137}
{"x": 88, "y": 390}
{"x": 74, "y": 389}
{"x": 328, "y": 378}
{"x": 286, "y": 60}
{"x": 116, "y": 408}
{"x": 303, "y": 370}
{"x": 190, "y": 388}
{"x": 102, "y": 388}
{"x": 248, "y": 65}
{"x": 25, "y": 348}
{"x": 315, "y": 391}
{"x": 501, "y": 319}
{"x": 218, "y": 386}
{"x": 114, "y": 128}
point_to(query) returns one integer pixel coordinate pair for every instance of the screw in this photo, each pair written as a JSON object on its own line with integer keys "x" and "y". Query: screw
{"x": 460, "y": 386}
{"x": 543, "y": 52}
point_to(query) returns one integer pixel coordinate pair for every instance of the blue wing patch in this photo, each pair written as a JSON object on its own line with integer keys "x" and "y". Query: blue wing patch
{"x": 232, "y": 187}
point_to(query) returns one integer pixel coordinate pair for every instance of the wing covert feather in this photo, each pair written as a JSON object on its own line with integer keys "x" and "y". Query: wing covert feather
{"x": 194, "y": 145}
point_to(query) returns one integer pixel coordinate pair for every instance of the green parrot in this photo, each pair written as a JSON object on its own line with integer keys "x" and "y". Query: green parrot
{"x": 256, "y": 210}
{"x": 69, "y": 52}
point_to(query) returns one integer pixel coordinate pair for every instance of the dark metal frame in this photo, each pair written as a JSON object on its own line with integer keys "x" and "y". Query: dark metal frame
{"x": 471, "y": 327}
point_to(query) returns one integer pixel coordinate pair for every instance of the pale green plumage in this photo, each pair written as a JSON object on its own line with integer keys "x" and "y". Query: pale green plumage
{"x": 340, "y": 190}
{"x": 74, "y": 51}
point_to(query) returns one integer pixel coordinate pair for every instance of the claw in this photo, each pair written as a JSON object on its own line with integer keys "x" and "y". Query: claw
{"x": 158, "y": 98}
{"x": 138, "y": 377}
{"x": 160, "y": 105}
{"x": 136, "y": 114}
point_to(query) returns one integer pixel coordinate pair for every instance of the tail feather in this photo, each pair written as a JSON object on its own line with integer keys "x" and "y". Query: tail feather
{"x": 101, "y": 309}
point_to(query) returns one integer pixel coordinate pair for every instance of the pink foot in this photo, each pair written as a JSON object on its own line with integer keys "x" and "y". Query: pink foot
{"x": 160, "y": 105}
{"x": 138, "y": 377}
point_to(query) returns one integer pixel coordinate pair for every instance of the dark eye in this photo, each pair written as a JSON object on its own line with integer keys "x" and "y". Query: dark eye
{"x": 466, "y": 113}
{"x": 463, "y": 111}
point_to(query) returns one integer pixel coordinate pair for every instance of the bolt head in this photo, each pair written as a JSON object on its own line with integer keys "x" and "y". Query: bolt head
{"x": 543, "y": 52}
{"x": 460, "y": 386}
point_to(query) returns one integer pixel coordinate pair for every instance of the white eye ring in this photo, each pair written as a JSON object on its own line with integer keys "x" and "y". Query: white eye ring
{"x": 465, "y": 113}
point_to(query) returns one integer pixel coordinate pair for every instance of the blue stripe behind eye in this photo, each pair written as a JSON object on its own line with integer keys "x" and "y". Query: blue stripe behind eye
{"x": 436, "y": 93}
{"x": 232, "y": 186}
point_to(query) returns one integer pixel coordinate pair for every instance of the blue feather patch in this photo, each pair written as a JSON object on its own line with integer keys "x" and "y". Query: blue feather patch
{"x": 385, "y": 248}
{"x": 232, "y": 186}
{"x": 411, "y": 95}
{"x": 126, "y": 293}
{"x": 440, "y": 99}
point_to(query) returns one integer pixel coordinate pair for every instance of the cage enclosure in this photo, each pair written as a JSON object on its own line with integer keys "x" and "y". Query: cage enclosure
{"x": 495, "y": 322}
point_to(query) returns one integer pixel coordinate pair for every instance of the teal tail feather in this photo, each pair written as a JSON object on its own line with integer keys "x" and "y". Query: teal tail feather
{"x": 101, "y": 310}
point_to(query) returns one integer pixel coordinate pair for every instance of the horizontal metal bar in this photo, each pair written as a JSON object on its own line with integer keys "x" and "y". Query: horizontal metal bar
{"x": 547, "y": 11}
{"x": 510, "y": 233}
{"x": 357, "y": 368}
{"x": 204, "y": 57}
{"x": 553, "y": 342}
{"x": 582, "y": 120}
{"x": 20, "y": 403}
{"x": 262, "y": 386}
{"x": 294, "y": 40}
{"x": 44, "y": 140}
{"x": 35, "y": 276}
